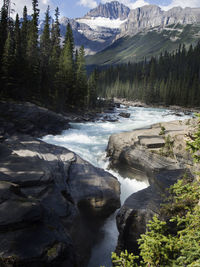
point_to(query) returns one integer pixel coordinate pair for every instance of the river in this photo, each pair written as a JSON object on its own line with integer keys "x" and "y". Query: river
{"x": 89, "y": 140}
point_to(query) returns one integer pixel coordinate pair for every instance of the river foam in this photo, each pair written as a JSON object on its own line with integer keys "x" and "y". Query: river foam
{"x": 89, "y": 140}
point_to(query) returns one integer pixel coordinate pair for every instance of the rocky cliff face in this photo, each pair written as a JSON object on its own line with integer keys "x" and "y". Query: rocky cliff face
{"x": 151, "y": 16}
{"x": 112, "y": 10}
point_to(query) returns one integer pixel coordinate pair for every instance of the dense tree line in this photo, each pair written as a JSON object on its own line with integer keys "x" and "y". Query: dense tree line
{"x": 37, "y": 67}
{"x": 170, "y": 79}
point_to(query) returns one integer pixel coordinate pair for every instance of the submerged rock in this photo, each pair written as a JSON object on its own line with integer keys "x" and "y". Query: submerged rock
{"x": 124, "y": 115}
{"x": 46, "y": 194}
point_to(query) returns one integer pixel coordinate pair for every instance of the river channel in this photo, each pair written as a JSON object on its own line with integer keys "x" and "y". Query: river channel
{"x": 89, "y": 140}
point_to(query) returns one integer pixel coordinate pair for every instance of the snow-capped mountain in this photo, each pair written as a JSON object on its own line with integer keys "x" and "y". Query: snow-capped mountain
{"x": 103, "y": 25}
{"x": 99, "y": 27}
{"x": 112, "y": 10}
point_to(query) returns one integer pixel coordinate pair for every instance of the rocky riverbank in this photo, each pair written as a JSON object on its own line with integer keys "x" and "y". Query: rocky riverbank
{"x": 160, "y": 154}
{"x": 175, "y": 109}
{"x": 50, "y": 198}
{"x": 28, "y": 118}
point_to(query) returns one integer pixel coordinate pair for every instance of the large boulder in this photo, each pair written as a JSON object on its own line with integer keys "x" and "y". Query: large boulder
{"x": 30, "y": 235}
{"x": 47, "y": 193}
{"x": 28, "y": 118}
{"x": 94, "y": 191}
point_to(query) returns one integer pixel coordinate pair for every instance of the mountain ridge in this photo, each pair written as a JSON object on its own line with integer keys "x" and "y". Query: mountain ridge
{"x": 112, "y": 10}
{"x": 107, "y": 23}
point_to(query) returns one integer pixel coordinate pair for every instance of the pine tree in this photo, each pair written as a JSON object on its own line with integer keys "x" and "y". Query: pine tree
{"x": 33, "y": 53}
{"x": 24, "y": 33}
{"x": 8, "y": 67}
{"x": 81, "y": 79}
{"x": 76, "y": 60}
{"x": 55, "y": 42}
{"x": 25, "y": 72}
{"x": 4, "y": 19}
{"x": 45, "y": 50}
{"x": 54, "y": 58}
{"x": 32, "y": 49}
{"x": 69, "y": 38}
{"x": 45, "y": 42}
{"x": 66, "y": 72}
{"x": 92, "y": 89}
{"x": 17, "y": 57}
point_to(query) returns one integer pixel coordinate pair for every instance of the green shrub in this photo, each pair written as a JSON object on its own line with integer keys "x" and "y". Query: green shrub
{"x": 162, "y": 131}
{"x": 194, "y": 144}
{"x": 125, "y": 259}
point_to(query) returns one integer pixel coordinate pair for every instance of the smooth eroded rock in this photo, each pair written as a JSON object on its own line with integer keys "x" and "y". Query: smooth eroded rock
{"x": 45, "y": 194}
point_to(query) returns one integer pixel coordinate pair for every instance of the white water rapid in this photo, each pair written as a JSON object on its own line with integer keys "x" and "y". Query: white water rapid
{"x": 89, "y": 140}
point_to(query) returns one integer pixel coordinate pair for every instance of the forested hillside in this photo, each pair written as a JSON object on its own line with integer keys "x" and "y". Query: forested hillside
{"x": 146, "y": 44}
{"x": 169, "y": 79}
{"x": 38, "y": 68}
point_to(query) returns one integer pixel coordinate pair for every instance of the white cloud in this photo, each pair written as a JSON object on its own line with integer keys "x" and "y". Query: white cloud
{"x": 182, "y": 3}
{"x": 19, "y": 5}
{"x": 88, "y": 3}
{"x": 139, "y": 3}
{"x": 129, "y": 3}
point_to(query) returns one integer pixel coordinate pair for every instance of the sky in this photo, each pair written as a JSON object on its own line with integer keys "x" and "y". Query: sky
{"x": 78, "y": 8}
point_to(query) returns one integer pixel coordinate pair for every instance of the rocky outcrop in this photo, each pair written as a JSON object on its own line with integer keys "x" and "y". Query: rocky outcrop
{"x": 147, "y": 150}
{"x": 28, "y": 118}
{"x": 113, "y": 10}
{"x": 160, "y": 153}
{"x": 151, "y": 16}
{"x": 47, "y": 196}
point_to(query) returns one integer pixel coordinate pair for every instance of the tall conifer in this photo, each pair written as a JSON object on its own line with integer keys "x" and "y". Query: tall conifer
{"x": 8, "y": 66}
{"x": 24, "y": 32}
{"x": 81, "y": 78}
{"x": 33, "y": 52}
{"x": 17, "y": 56}
{"x": 3, "y": 28}
{"x": 55, "y": 43}
{"x": 45, "y": 43}
{"x": 66, "y": 69}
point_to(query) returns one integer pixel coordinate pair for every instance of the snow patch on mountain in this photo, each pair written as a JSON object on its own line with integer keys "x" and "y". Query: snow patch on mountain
{"x": 95, "y": 22}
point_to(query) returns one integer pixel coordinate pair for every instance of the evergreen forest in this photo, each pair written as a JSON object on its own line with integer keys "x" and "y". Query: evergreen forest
{"x": 39, "y": 68}
{"x": 169, "y": 79}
